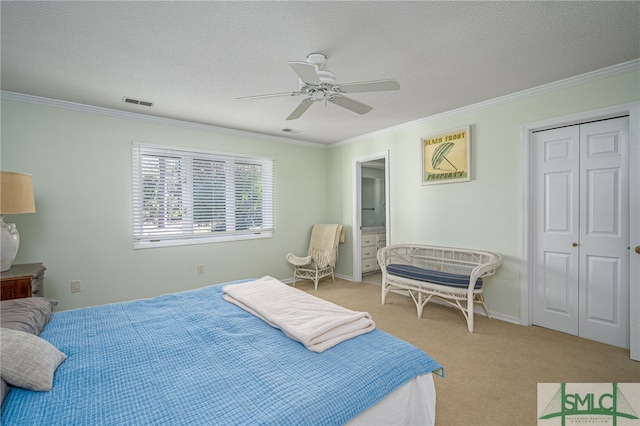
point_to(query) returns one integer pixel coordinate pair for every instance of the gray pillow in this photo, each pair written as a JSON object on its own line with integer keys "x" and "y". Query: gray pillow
{"x": 28, "y": 361}
{"x": 4, "y": 390}
{"x": 29, "y": 314}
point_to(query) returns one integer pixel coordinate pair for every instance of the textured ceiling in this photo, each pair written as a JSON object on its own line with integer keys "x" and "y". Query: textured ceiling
{"x": 192, "y": 59}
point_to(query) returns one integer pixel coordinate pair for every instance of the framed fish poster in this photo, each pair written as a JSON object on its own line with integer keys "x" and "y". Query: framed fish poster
{"x": 446, "y": 157}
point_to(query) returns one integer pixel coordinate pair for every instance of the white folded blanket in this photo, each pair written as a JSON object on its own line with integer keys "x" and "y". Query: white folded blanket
{"x": 314, "y": 322}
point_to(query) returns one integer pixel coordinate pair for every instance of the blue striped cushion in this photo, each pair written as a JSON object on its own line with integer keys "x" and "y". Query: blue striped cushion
{"x": 434, "y": 277}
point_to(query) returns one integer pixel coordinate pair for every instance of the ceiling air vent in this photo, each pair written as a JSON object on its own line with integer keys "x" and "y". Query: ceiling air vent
{"x": 288, "y": 130}
{"x": 136, "y": 102}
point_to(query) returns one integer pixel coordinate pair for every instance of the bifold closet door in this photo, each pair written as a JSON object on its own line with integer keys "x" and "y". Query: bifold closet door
{"x": 581, "y": 239}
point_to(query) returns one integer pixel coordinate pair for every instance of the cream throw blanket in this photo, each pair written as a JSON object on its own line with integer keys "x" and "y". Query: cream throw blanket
{"x": 316, "y": 323}
{"x": 323, "y": 246}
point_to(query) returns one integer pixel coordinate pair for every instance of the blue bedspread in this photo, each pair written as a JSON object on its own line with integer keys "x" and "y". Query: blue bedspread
{"x": 191, "y": 358}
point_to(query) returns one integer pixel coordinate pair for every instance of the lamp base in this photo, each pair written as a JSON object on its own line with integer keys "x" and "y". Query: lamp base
{"x": 9, "y": 244}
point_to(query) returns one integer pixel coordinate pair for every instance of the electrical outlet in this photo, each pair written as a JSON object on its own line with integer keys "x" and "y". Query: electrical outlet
{"x": 200, "y": 269}
{"x": 76, "y": 286}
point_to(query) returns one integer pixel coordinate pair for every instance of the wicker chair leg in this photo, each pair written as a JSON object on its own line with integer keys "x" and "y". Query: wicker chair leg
{"x": 480, "y": 298}
{"x": 316, "y": 279}
{"x": 470, "y": 313}
{"x": 419, "y": 304}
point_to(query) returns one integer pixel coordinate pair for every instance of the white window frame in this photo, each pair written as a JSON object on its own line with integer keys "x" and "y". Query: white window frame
{"x": 146, "y": 235}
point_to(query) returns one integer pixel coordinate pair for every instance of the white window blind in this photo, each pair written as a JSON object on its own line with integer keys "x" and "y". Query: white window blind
{"x": 183, "y": 196}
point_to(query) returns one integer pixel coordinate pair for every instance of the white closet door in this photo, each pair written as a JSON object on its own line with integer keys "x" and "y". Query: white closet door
{"x": 581, "y": 242}
{"x": 555, "y": 272}
{"x": 604, "y": 232}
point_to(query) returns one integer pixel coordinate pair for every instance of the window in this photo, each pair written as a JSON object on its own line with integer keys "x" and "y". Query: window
{"x": 183, "y": 196}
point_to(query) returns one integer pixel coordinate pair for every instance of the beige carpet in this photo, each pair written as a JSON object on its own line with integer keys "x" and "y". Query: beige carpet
{"x": 491, "y": 376}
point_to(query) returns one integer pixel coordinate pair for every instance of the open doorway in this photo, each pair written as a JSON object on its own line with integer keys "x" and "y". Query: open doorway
{"x": 371, "y": 212}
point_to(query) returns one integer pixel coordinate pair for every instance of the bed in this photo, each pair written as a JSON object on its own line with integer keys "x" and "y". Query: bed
{"x": 193, "y": 358}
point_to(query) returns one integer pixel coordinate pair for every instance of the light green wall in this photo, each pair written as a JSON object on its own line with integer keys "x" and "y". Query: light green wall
{"x": 484, "y": 213}
{"x": 81, "y": 167}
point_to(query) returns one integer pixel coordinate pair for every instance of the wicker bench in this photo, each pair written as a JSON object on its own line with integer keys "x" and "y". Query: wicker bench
{"x": 453, "y": 275}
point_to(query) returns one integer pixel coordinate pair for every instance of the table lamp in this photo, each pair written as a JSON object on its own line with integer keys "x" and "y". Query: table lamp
{"x": 16, "y": 197}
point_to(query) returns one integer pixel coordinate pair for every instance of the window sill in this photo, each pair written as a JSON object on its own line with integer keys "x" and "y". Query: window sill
{"x": 137, "y": 245}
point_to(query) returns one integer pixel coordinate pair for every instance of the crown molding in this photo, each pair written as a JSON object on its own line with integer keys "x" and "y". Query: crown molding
{"x": 127, "y": 115}
{"x": 611, "y": 71}
{"x": 524, "y": 94}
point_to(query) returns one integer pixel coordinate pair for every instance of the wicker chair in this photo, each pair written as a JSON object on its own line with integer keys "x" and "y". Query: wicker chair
{"x": 322, "y": 255}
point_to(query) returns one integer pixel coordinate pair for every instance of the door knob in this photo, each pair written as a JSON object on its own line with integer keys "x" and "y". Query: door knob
{"x": 575, "y": 244}
{"x": 638, "y": 249}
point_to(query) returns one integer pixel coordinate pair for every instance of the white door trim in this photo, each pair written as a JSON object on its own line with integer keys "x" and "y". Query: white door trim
{"x": 526, "y": 284}
{"x": 357, "y": 207}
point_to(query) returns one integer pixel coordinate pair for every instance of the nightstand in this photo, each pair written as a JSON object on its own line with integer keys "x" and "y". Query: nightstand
{"x": 23, "y": 280}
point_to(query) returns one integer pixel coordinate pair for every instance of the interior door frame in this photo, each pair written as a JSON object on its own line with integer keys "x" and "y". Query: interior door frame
{"x": 357, "y": 207}
{"x": 527, "y": 180}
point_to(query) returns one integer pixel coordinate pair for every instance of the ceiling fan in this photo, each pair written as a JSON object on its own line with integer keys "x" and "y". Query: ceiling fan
{"x": 321, "y": 85}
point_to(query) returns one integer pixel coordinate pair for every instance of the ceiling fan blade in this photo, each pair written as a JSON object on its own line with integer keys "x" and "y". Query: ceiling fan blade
{"x": 306, "y": 72}
{"x": 370, "y": 86}
{"x": 271, "y": 95}
{"x": 351, "y": 104}
{"x": 304, "y": 105}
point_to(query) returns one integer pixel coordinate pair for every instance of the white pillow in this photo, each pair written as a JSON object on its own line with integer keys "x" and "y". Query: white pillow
{"x": 28, "y": 361}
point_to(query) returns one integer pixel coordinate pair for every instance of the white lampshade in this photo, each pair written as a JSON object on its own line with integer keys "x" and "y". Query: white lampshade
{"x": 16, "y": 197}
